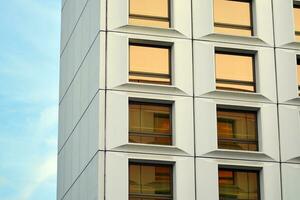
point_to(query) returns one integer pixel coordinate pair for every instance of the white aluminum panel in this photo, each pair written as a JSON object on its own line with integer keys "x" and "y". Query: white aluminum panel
{"x": 203, "y": 24}
{"x": 117, "y": 174}
{"x": 290, "y": 181}
{"x": 204, "y": 73}
{"x": 289, "y": 121}
{"x": 118, "y": 69}
{"x": 207, "y": 177}
{"x": 284, "y": 24}
{"x": 206, "y": 130}
{"x": 117, "y": 124}
{"x": 118, "y": 16}
{"x": 287, "y": 79}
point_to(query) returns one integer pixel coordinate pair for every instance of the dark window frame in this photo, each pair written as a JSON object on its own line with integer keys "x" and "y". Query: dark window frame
{"x": 152, "y": 103}
{"x": 147, "y": 74}
{"x": 155, "y": 164}
{"x": 239, "y": 110}
{"x": 233, "y": 169}
{"x": 238, "y": 26}
{"x": 237, "y": 82}
{"x": 149, "y": 17}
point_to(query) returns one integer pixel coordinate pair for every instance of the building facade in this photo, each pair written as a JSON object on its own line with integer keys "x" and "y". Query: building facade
{"x": 179, "y": 99}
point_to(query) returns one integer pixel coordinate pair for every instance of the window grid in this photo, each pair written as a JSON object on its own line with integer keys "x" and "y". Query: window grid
{"x": 237, "y": 26}
{"x": 141, "y": 74}
{"x": 155, "y": 135}
{"x": 141, "y": 196}
{"x": 235, "y": 140}
{"x": 151, "y": 17}
{"x": 236, "y": 169}
{"x": 236, "y": 82}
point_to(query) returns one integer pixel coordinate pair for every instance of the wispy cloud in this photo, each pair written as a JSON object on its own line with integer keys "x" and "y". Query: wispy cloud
{"x": 29, "y": 59}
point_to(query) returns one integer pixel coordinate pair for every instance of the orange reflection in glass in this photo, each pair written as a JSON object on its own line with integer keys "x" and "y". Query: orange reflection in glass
{"x": 149, "y": 64}
{"x": 235, "y": 72}
{"x": 238, "y": 184}
{"x": 237, "y": 130}
{"x": 233, "y": 17}
{"x": 153, "y": 13}
{"x": 297, "y": 21}
{"x": 150, "y": 181}
{"x": 150, "y": 123}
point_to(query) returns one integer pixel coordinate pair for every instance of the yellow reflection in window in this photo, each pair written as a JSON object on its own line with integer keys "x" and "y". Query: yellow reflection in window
{"x": 233, "y": 17}
{"x": 152, "y": 13}
{"x": 297, "y": 21}
{"x": 149, "y": 64}
{"x": 235, "y": 71}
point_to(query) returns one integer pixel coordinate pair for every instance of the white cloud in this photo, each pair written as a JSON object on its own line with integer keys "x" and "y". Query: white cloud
{"x": 44, "y": 172}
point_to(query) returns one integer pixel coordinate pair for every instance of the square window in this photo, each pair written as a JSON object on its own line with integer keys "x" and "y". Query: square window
{"x": 152, "y": 13}
{"x": 150, "y": 181}
{"x": 238, "y": 184}
{"x": 150, "y": 123}
{"x": 237, "y": 130}
{"x": 298, "y": 74}
{"x": 149, "y": 64}
{"x": 233, "y": 17}
{"x": 297, "y": 21}
{"x": 235, "y": 71}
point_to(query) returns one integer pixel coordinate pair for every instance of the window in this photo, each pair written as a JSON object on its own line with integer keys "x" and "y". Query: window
{"x": 150, "y": 181}
{"x": 150, "y": 123}
{"x": 152, "y": 13}
{"x": 235, "y": 71}
{"x": 233, "y": 17}
{"x": 237, "y": 130}
{"x": 297, "y": 21}
{"x": 238, "y": 184}
{"x": 298, "y": 74}
{"x": 149, "y": 64}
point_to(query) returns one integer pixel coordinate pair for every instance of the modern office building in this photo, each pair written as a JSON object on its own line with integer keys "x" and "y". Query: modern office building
{"x": 179, "y": 100}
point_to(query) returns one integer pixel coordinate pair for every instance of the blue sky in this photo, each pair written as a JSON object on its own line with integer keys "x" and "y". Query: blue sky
{"x": 29, "y": 70}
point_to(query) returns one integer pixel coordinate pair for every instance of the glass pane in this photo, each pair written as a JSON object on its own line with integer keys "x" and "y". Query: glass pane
{"x": 150, "y": 123}
{"x": 298, "y": 75}
{"x": 154, "y": 8}
{"x": 237, "y": 130}
{"x": 156, "y": 180}
{"x": 135, "y": 178}
{"x": 149, "y": 22}
{"x": 238, "y": 185}
{"x": 232, "y": 69}
{"x": 233, "y": 31}
{"x": 232, "y": 12}
{"x": 149, "y": 64}
{"x": 297, "y": 21}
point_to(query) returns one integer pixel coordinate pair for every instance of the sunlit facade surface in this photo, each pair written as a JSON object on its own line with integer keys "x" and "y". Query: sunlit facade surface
{"x": 179, "y": 100}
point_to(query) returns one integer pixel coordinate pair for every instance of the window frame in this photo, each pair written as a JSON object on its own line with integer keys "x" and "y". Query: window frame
{"x": 153, "y": 103}
{"x": 150, "y": 163}
{"x": 146, "y": 74}
{"x": 238, "y": 110}
{"x": 296, "y": 6}
{"x": 155, "y": 18}
{"x": 237, "y": 26}
{"x": 237, "y": 52}
{"x": 233, "y": 169}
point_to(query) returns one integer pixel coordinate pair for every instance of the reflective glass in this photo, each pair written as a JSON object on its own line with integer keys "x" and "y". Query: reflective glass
{"x": 149, "y": 64}
{"x": 237, "y": 130}
{"x": 297, "y": 21}
{"x": 238, "y": 184}
{"x": 153, "y": 13}
{"x": 149, "y": 181}
{"x": 234, "y": 72}
{"x": 233, "y": 17}
{"x": 150, "y": 123}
